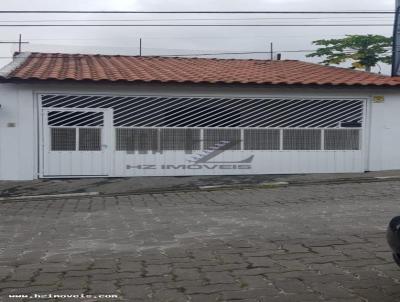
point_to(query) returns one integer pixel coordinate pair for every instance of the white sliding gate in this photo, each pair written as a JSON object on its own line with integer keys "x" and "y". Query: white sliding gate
{"x": 94, "y": 135}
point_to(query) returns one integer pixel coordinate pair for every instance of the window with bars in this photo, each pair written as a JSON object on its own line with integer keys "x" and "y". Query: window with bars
{"x": 180, "y": 139}
{"x": 136, "y": 139}
{"x": 261, "y": 139}
{"x": 164, "y": 139}
{"x": 227, "y": 138}
{"x": 89, "y": 139}
{"x": 151, "y": 123}
{"x": 342, "y": 139}
{"x": 302, "y": 139}
{"x": 65, "y": 139}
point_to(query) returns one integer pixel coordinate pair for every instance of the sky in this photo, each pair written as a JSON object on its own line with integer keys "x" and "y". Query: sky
{"x": 187, "y": 40}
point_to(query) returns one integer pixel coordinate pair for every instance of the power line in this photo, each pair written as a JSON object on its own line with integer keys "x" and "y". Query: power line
{"x": 192, "y": 12}
{"x": 55, "y": 55}
{"x": 195, "y": 25}
{"x": 247, "y": 53}
{"x": 240, "y": 37}
{"x": 201, "y": 19}
{"x": 10, "y": 42}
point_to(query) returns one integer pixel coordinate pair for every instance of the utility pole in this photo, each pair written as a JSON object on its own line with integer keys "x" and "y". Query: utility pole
{"x": 140, "y": 47}
{"x": 396, "y": 42}
{"x": 272, "y": 50}
{"x": 20, "y": 43}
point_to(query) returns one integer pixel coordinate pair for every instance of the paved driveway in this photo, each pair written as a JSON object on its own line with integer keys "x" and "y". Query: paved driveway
{"x": 302, "y": 243}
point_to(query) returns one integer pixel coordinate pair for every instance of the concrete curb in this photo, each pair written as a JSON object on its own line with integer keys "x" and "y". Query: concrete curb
{"x": 47, "y": 196}
{"x": 265, "y": 185}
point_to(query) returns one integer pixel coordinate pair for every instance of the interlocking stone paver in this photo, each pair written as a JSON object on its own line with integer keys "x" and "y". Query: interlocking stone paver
{"x": 254, "y": 282}
{"x": 309, "y": 243}
{"x": 74, "y": 282}
{"x": 156, "y": 270}
{"x": 266, "y": 292}
{"x": 13, "y": 284}
{"x": 205, "y": 298}
{"x": 187, "y": 274}
{"x": 136, "y": 292}
{"x": 212, "y": 288}
{"x": 46, "y": 279}
{"x": 102, "y": 287}
{"x": 23, "y": 275}
{"x": 147, "y": 280}
{"x": 219, "y": 277}
{"x": 169, "y": 295}
{"x": 291, "y": 286}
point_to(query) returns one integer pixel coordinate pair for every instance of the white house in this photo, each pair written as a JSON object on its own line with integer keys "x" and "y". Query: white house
{"x": 66, "y": 115}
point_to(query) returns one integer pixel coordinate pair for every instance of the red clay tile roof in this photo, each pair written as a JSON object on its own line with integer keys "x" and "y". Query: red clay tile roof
{"x": 79, "y": 67}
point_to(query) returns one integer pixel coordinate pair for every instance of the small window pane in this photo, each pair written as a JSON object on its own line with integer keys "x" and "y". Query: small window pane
{"x": 342, "y": 139}
{"x": 89, "y": 139}
{"x": 134, "y": 139}
{"x": 63, "y": 139}
{"x": 301, "y": 139}
{"x": 261, "y": 139}
{"x": 216, "y": 138}
{"x": 180, "y": 139}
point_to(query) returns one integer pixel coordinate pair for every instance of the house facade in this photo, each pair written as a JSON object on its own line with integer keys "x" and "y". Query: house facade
{"x": 113, "y": 116}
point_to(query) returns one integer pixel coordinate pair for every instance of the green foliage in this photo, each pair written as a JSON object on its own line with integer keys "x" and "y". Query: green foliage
{"x": 364, "y": 51}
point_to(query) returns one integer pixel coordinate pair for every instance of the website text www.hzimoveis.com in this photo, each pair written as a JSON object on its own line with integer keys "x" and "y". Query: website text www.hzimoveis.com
{"x": 63, "y": 296}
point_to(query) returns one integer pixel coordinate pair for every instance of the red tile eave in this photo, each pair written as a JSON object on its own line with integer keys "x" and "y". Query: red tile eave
{"x": 223, "y": 83}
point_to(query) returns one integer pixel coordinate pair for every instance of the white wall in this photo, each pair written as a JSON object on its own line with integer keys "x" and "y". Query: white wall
{"x": 17, "y": 134}
{"x": 19, "y": 144}
{"x": 385, "y": 134}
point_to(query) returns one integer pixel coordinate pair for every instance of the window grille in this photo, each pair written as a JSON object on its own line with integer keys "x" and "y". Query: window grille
{"x": 63, "y": 139}
{"x": 75, "y": 118}
{"x": 261, "y": 139}
{"x": 301, "y": 139}
{"x": 342, "y": 139}
{"x": 229, "y": 138}
{"x": 206, "y": 112}
{"x": 150, "y": 123}
{"x": 89, "y": 139}
{"x": 134, "y": 139}
{"x": 180, "y": 139}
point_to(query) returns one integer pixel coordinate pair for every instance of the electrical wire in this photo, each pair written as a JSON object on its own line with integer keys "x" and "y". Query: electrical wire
{"x": 250, "y": 52}
{"x": 195, "y": 25}
{"x": 192, "y": 12}
{"x": 239, "y": 37}
{"x": 7, "y": 42}
{"x": 201, "y": 19}
{"x": 55, "y": 55}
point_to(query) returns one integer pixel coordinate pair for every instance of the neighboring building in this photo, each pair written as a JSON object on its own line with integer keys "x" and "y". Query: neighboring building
{"x": 68, "y": 115}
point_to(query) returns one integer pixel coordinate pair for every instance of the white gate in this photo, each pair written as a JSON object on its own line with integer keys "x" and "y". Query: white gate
{"x": 99, "y": 135}
{"x": 76, "y": 142}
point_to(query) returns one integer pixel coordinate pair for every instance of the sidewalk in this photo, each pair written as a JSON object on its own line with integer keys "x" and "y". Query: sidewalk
{"x": 115, "y": 186}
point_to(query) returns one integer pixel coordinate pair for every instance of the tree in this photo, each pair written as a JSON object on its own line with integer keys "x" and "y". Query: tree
{"x": 364, "y": 51}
